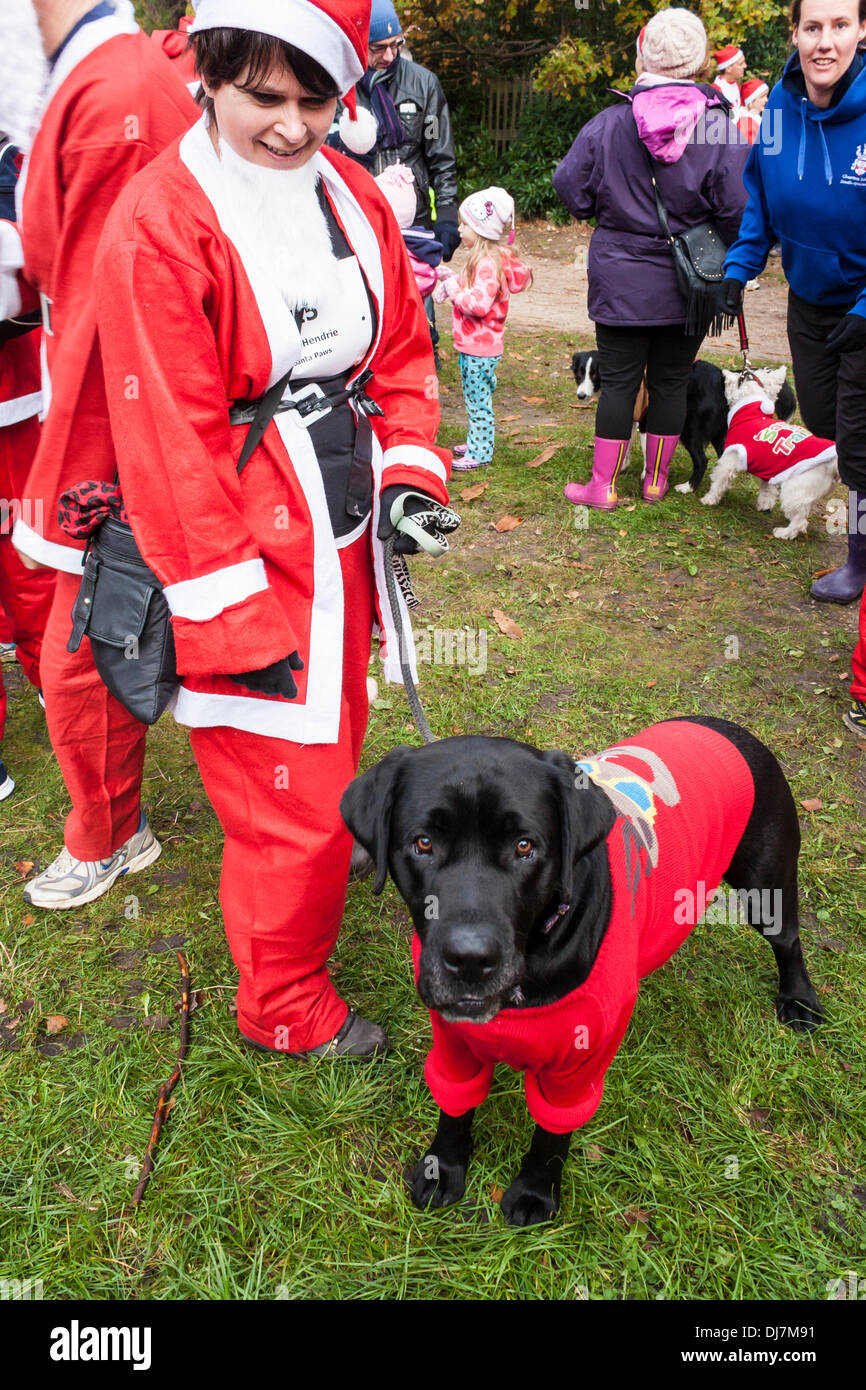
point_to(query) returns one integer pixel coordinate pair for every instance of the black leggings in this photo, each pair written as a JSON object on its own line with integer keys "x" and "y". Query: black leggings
{"x": 667, "y": 354}
{"x": 831, "y": 386}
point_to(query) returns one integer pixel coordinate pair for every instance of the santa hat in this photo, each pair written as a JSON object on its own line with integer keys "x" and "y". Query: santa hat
{"x": 331, "y": 32}
{"x": 488, "y": 212}
{"x": 639, "y": 44}
{"x": 674, "y": 44}
{"x": 726, "y": 56}
{"x": 751, "y": 89}
{"x": 23, "y": 73}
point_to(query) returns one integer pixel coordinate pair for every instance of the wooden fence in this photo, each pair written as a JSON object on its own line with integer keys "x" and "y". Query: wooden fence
{"x": 506, "y": 98}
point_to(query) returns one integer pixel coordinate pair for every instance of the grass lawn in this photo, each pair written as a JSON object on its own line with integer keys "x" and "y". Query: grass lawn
{"x": 724, "y": 1161}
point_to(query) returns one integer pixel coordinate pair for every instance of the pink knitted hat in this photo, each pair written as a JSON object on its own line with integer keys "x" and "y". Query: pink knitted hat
{"x": 674, "y": 44}
{"x": 397, "y": 182}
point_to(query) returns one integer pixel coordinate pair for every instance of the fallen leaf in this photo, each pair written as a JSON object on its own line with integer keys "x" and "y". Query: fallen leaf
{"x": 470, "y": 493}
{"x": 636, "y": 1216}
{"x": 506, "y": 624}
{"x": 832, "y": 943}
{"x": 758, "y": 1117}
{"x": 511, "y": 670}
{"x": 496, "y": 1193}
{"x": 534, "y": 400}
{"x": 3, "y": 1006}
{"x": 594, "y": 1152}
{"x": 650, "y": 684}
{"x": 54, "y": 1023}
{"x": 812, "y": 803}
{"x": 508, "y": 523}
{"x": 506, "y": 419}
{"x": 157, "y": 1021}
{"x": 23, "y": 866}
{"x": 543, "y": 456}
{"x": 28, "y": 919}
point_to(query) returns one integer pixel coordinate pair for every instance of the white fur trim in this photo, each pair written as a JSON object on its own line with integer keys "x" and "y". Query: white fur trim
{"x": 826, "y": 456}
{"x": 300, "y": 22}
{"x": 202, "y": 599}
{"x": 359, "y": 135}
{"x": 21, "y": 408}
{"x": 57, "y": 557}
{"x": 414, "y": 456}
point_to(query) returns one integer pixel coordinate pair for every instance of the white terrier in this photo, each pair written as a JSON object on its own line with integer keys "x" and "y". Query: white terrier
{"x": 794, "y": 466}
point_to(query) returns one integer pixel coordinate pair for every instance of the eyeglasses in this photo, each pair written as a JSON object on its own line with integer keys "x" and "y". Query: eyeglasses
{"x": 378, "y": 48}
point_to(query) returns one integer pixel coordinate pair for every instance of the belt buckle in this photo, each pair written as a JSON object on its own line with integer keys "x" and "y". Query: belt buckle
{"x": 310, "y": 403}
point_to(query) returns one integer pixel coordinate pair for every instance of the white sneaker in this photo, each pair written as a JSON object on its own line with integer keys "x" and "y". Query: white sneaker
{"x": 71, "y": 882}
{"x": 7, "y": 786}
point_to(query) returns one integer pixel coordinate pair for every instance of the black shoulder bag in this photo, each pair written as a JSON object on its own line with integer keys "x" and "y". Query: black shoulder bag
{"x": 121, "y": 606}
{"x": 699, "y": 263}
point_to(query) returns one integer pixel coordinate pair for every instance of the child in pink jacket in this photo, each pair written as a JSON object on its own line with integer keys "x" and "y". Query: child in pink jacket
{"x": 479, "y": 300}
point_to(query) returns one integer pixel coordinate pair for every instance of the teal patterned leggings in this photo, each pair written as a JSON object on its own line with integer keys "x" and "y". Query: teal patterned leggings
{"x": 478, "y": 375}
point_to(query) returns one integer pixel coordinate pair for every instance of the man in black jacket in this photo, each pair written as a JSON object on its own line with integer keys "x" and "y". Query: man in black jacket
{"x": 414, "y": 128}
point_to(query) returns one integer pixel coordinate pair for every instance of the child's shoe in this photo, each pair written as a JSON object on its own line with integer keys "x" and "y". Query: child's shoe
{"x": 459, "y": 450}
{"x": 853, "y": 719}
{"x": 467, "y": 464}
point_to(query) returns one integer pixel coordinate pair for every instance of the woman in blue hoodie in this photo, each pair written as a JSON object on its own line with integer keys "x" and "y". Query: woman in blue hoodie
{"x": 806, "y": 180}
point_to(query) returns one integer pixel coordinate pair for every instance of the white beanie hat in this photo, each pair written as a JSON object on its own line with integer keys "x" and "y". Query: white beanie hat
{"x": 488, "y": 212}
{"x": 674, "y": 44}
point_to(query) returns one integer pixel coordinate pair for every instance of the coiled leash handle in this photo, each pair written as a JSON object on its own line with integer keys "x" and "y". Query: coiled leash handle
{"x": 440, "y": 520}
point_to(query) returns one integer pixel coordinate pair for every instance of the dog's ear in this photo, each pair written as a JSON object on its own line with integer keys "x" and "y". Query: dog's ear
{"x": 773, "y": 382}
{"x": 586, "y": 816}
{"x": 366, "y": 807}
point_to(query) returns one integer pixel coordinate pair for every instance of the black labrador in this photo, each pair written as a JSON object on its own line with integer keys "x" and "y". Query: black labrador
{"x": 496, "y": 835}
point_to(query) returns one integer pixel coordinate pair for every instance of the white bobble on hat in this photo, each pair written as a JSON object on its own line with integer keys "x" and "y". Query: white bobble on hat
{"x": 674, "y": 44}
{"x": 358, "y": 127}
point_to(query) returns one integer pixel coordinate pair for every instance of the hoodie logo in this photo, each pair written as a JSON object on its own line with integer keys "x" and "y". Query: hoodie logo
{"x": 859, "y": 165}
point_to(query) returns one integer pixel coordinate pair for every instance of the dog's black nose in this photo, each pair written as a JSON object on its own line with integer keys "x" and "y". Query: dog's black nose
{"x": 471, "y": 952}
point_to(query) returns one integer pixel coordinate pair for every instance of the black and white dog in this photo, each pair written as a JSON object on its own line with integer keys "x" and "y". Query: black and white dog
{"x": 706, "y": 410}
{"x": 542, "y": 889}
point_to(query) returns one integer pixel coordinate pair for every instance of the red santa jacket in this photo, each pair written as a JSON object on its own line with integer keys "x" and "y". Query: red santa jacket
{"x": 773, "y": 449}
{"x": 190, "y": 321}
{"x": 684, "y": 795}
{"x": 114, "y": 101}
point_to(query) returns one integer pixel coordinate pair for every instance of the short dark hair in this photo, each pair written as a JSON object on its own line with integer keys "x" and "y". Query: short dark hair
{"x": 223, "y": 55}
{"x": 798, "y": 5}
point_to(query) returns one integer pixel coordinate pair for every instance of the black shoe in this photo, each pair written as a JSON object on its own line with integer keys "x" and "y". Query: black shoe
{"x": 357, "y": 1038}
{"x": 855, "y": 718}
{"x": 7, "y": 786}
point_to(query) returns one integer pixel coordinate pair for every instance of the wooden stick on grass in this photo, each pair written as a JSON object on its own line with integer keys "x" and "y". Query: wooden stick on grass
{"x": 163, "y": 1104}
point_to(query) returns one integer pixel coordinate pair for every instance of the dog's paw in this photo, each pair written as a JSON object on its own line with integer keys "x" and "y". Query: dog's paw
{"x": 433, "y": 1183}
{"x": 765, "y": 501}
{"x": 709, "y": 500}
{"x": 788, "y": 533}
{"x": 800, "y": 1015}
{"x": 683, "y": 487}
{"x": 525, "y": 1205}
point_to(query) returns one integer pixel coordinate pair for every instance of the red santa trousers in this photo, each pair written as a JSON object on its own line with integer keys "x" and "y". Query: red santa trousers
{"x": 98, "y": 744}
{"x": 858, "y": 659}
{"x": 25, "y": 595}
{"x": 287, "y": 852}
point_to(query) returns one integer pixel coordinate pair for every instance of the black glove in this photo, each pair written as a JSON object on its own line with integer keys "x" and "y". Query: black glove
{"x": 849, "y": 335}
{"x": 404, "y": 545}
{"x": 729, "y": 297}
{"x": 448, "y": 233}
{"x": 276, "y": 679}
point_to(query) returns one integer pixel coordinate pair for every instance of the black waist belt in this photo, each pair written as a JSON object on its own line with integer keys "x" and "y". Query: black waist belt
{"x": 313, "y": 401}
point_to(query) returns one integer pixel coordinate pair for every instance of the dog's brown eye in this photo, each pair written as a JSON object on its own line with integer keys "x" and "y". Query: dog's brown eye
{"x": 524, "y": 849}
{"x": 423, "y": 844}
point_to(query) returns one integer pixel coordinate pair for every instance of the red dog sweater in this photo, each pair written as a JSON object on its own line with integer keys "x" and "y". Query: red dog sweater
{"x": 773, "y": 449}
{"x": 683, "y": 794}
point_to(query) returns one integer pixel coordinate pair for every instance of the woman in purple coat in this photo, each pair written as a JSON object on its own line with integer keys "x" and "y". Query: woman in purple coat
{"x": 639, "y": 313}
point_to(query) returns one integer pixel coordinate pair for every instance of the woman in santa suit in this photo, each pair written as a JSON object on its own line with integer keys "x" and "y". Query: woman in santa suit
{"x": 246, "y": 252}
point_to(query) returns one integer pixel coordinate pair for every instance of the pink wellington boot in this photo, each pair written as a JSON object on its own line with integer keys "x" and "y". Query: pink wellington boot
{"x": 600, "y": 492}
{"x": 659, "y": 452}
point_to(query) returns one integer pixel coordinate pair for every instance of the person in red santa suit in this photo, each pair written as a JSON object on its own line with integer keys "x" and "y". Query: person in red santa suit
{"x": 731, "y": 64}
{"x": 245, "y": 256}
{"x": 113, "y": 102}
{"x": 25, "y": 595}
{"x": 754, "y": 98}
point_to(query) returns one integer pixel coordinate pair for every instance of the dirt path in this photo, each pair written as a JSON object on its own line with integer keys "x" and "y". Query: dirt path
{"x": 558, "y": 297}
